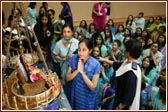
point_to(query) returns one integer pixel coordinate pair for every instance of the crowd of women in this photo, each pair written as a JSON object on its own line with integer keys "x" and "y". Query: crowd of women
{"x": 101, "y": 66}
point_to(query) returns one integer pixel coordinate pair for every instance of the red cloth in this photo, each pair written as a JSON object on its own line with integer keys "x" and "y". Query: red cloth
{"x": 99, "y": 21}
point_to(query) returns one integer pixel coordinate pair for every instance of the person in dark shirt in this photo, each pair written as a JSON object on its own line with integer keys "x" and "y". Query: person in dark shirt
{"x": 44, "y": 32}
{"x": 128, "y": 77}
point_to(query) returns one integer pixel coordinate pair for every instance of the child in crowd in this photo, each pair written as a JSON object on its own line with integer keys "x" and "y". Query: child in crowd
{"x": 96, "y": 52}
{"x": 108, "y": 39}
{"x": 100, "y": 43}
{"x": 110, "y": 23}
{"x": 75, "y": 34}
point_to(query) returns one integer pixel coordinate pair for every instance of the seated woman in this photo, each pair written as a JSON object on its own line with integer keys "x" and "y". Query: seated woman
{"x": 153, "y": 53}
{"x": 108, "y": 38}
{"x": 157, "y": 93}
{"x": 92, "y": 29}
{"x": 106, "y": 81}
{"x": 105, "y": 75}
{"x": 159, "y": 102}
{"x": 113, "y": 29}
{"x": 149, "y": 72}
{"x": 138, "y": 33}
{"x": 131, "y": 23}
{"x": 82, "y": 28}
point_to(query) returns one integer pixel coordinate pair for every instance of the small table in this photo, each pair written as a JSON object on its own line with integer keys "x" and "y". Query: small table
{"x": 63, "y": 101}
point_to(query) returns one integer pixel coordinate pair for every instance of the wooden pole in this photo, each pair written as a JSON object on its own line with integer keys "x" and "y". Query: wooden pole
{"x": 6, "y": 86}
{"x": 26, "y": 29}
{"x": 25, "y": 100}
{"x": 8, "y": 46}
{"x": 7, "y": 100}
{"x": 37, "y": 101}
{"x": 15, "y": 103}
{"x": 36, "y": 40}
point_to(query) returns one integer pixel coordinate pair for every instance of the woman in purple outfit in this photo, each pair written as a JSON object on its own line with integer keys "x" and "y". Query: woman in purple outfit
{"x": 66, "y": 13}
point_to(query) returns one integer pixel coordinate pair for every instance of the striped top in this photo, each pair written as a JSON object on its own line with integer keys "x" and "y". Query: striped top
{"x": 82, "y": 98}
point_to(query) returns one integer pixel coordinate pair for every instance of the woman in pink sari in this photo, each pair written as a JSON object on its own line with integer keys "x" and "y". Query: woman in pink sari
{"x": 99, "y": 15}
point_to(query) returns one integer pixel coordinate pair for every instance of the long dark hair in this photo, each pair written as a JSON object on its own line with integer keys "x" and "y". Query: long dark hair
{"x": 161, "y": 45}
{"x": 99, "y": 50}
{"x": 129, "y": 20}
{"x": 112, "y": 22}
{"x": 148, "y": 22}
{"x": 96, "y": 36}
{"x": 151, "y": 65}
{"x": 48, "y": 17}
{"x": 111, "y": 39}
{"x": 32, "y": 4}
{"x": 118, "y": 28}
{"x": 91, "y": 24}
{"x": 136, "y": 32}
{"x": 128, "y": 30}
{"x": 85, "y": 27}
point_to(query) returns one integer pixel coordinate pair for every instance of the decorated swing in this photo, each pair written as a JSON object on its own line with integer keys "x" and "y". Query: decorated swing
{"x": 27, "y": 87}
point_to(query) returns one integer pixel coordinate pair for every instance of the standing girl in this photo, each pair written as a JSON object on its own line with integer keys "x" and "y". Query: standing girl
{"x": 44, "y": 31}
{"x": 84, "y": 72}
